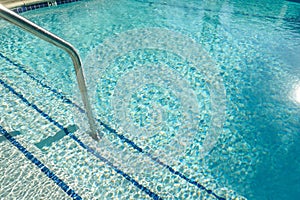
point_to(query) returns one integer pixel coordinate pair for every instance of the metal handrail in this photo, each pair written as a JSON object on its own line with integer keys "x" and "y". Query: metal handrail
{"x": 38, "y": 31}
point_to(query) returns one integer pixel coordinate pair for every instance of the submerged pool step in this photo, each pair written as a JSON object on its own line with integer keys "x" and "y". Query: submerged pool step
{"x": 18, "y": 114}
{"x": 91, "y": 178}
{"x": 84, "y": 166}
{"x": 66, "y": 152}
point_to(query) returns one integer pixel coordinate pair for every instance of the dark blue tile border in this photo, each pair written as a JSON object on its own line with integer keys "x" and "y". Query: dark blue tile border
{"x": 30, "y": 7}
{"x": 41, "y": 5}
{"x": 59, "y": 2}
{"x": 86, "y": 147}
{"x": 40, "y": 165}
{"x": 122, "y": 137}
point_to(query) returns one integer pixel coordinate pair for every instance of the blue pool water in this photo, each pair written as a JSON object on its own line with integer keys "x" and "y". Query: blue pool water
{"x": 211, "y": 88}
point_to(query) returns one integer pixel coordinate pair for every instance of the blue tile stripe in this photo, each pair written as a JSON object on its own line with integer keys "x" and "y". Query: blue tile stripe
{"x": 122, "y": 137}
{"x": 86, "y": 147}
{"x": 40, "y": 165}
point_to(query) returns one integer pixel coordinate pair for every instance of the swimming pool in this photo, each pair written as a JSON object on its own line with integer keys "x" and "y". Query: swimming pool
{"x": 196, "y": 100}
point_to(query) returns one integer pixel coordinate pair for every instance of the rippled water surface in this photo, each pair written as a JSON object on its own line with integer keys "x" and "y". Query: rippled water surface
{"x": 199, "y": 84}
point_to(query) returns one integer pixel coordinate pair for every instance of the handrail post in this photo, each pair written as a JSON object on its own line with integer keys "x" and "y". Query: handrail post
{"x": 38, "y": 31}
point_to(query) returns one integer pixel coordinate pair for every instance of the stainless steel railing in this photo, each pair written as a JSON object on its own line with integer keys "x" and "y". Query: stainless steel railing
{"x": 38, "y": 31}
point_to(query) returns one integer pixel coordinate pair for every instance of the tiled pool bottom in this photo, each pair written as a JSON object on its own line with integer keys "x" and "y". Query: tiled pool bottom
{"x": 76, "y": 166}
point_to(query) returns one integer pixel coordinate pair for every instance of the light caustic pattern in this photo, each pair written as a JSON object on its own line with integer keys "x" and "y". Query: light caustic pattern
{"x": 159, "y": 88}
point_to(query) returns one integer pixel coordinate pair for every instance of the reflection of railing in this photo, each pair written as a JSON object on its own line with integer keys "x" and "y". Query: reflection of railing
{"x": 34, "y": 29}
